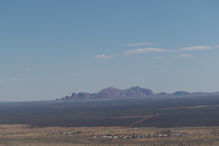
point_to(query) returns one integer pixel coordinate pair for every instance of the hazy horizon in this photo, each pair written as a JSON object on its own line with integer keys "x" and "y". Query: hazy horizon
{"x": 49, "y": 49}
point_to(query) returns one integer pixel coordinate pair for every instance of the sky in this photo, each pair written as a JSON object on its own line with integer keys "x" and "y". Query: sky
{"x": 51, "y": 48}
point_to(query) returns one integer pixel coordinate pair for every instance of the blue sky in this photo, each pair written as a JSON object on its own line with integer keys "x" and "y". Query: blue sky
{"x": 49, "y": 49}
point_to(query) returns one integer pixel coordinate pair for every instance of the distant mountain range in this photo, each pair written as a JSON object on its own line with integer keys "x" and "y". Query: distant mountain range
{"x": 114, "y": 93}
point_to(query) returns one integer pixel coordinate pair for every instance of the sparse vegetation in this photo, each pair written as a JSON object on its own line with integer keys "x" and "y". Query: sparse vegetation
{"x": 117, "y": 122}
{"x": 29, "y": 136}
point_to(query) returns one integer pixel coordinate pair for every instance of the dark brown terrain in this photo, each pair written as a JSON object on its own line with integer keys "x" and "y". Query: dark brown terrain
{"x": 138, "y": 117}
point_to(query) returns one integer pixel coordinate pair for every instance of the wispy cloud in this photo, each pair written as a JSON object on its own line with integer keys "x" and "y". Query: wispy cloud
{"x": 194, "y": 48}
{"x": 184, "y": 56}
{"x": 144, "y": 50}
{"x": 102, "y": 56}
{"x": 139, "y": 44}
{"x": 159, "y": 50}
{"x": 27, "y": 69}
{"x": 9, "y": 80}
{"x": 14, "y": 79}
{"x": 217, "y": 46}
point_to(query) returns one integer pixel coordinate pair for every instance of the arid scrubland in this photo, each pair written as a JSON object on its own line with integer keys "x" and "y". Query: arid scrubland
{"x": 25, "y": 135}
